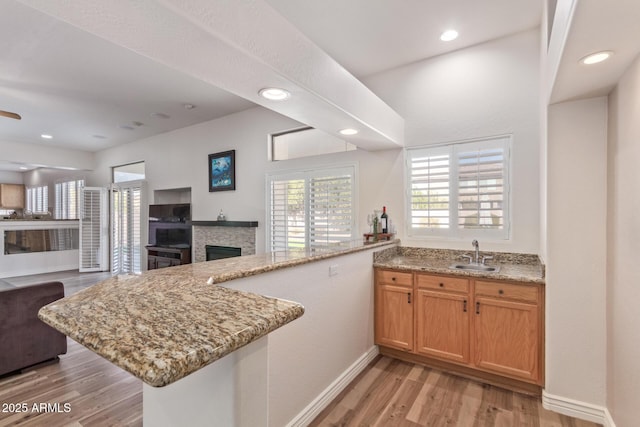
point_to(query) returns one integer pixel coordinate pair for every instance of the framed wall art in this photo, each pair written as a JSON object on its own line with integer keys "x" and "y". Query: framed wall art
{"x": 222, "y": 171}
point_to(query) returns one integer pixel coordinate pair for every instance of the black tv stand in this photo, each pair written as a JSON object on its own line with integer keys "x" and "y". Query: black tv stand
{"x": 161, "y": 257}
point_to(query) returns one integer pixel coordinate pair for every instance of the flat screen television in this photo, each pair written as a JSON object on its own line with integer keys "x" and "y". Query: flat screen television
{"x": 170, "y": 225}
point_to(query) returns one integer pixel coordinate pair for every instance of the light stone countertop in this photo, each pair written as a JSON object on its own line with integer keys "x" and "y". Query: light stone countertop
{"x": 164, "y": 324}
{"x": 523, "y": 268}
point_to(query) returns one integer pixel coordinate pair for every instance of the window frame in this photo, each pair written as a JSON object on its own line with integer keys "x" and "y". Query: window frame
{"x": 273, "y": 140}
{"x": 455, "y": 232}
{"x": 308, "y": 174}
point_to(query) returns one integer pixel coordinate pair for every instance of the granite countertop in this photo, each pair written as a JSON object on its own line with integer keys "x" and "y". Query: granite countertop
{"x": 164, "y": 324}
{"x": 524, "y": 268}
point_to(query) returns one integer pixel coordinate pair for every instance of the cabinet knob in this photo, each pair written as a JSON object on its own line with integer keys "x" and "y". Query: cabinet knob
{"x": 500, "y": 291}
{"x": 393, "y": 279}
{"x": 441, "y": 285}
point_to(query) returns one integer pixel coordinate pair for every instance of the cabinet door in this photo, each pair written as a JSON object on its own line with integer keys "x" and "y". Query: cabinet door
{"x": 442, "y": 325}
{"x": 12, "y": 196}
{"x": 507, "y": 338}
{"x": 394, "y": 316}
{"x": 162, "y": 262}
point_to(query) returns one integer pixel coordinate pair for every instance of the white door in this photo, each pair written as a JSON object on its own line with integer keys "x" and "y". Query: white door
{"x": 94, "y": 230}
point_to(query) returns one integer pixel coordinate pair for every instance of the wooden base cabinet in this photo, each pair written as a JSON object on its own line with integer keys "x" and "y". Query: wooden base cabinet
{"x": 492, "y": 328}
{"x": 442, "y": 317}
{"x": 394, "y": 309}
{"x": 507, "y": 326}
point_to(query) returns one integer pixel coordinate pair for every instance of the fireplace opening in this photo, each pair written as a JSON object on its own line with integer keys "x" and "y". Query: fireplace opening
{"x": 219, "y": 252}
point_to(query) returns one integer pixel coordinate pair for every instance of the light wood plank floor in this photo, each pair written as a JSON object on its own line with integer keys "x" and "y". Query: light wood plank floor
{"x": 394, "y": 393}
{"x": 387, "y": 393}
{"x": 98, "y": 393}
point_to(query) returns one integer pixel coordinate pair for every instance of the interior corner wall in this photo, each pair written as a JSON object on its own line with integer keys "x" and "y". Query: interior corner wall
{"x": 576, "y": 338}
{"x": 623, "y": 287}
{"x": 485, "y": 90}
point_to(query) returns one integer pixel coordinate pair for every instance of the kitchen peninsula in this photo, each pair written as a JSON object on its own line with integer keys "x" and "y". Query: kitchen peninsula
{"x": 38, "y": 246}
{"x": 208, "y": 337}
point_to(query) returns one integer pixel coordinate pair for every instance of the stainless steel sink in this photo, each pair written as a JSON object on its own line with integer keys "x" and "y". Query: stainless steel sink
{"x": 476, "y": 267}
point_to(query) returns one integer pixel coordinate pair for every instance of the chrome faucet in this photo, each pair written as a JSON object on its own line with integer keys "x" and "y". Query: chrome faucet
{"x": 476, "y": 245}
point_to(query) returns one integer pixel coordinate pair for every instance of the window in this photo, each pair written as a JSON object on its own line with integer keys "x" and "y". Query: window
{"x": 130, "y": 172}
{"x": 38, "y": 199}
{"x": 460, "y": 189}
{"x": 305, "y": 142}
{"x": 67, "y": 199}
{"x": 312, "y": 208}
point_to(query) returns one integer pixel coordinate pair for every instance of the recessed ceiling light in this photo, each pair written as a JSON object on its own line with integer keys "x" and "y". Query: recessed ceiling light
{"x": 597, "y": 57}
{"x": 23, "y": 168}
{"x": 45, "y": 136}
{"x": 160, "y": 115}
{"x": 99, "y": 136}
{"x": 348, "y": 131}
{"x": 127, "y": 127}
{"x": 274, "y": 94}
{"x": 449, "y": 35}
{"x": 188, "y": 106}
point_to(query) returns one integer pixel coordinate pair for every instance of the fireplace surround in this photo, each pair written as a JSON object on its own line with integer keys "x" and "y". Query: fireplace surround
{"x": 237, "y": 234}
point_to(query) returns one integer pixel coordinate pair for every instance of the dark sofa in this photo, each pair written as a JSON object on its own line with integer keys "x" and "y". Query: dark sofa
{"x": 24, "y": 339}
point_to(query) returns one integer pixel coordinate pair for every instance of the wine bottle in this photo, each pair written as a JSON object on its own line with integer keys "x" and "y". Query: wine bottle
{"x": 384, "y": 220}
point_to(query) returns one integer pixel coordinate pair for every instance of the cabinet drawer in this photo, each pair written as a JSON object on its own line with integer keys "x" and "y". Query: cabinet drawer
{"x": 442, "y": 283}
{"x": 394, "y": 277}
{"x": 527, "y": 293}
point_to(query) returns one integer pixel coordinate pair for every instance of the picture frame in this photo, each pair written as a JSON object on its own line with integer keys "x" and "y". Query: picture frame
{"x": 222, "y": 171}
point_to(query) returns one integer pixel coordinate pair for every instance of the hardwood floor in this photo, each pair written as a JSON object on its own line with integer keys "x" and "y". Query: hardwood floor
{"x": 73, "y": 280}
{"x": 97, "y": 393}
{"x": 387, "y": 393}
{"x": 390, "y": 392}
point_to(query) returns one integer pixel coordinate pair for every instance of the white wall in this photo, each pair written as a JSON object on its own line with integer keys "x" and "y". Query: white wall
{"x": 336, "y": 330}
{"x": 623, "y": 293}
{"x": 49, "y": 177}
{"x": 41, "y": 154}
{"x": 576, "y": 246}
{"x": 485, "y": 90}
{"x": 178, "y": 159}
{"x": 7, "y": 177}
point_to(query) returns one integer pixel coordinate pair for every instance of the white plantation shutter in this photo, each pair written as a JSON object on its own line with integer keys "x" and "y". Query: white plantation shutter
{"x": 460, "y": 189}
{"x": 94, "y": 233}
{"x": 67, "y": 199}
{"x": 430, "y": 192}
{"x": 331, "y": 209}
{"x": 287, "y": 214}
{"x": 481, "y": 187}
{"x": 126, "y": 217}
{"x": 311, "y": 208}
{"x": 38, "y": 199}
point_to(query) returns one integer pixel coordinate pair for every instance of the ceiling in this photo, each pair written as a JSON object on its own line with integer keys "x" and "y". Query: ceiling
{"x": 91, "y": 94}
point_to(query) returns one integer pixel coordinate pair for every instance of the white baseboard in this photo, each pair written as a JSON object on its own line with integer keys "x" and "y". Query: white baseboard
{"x": 577, "y": 409}
{"x": 608, "y": 421}
{"x": 312, "y": 410}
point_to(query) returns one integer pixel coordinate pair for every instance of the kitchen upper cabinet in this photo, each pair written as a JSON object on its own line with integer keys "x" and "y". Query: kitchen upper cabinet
{"x": 12, "y": 196}
{"x": 442, "y": 317}
{"x": 394, "y": 309}
{"x": 508, "y": 328}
